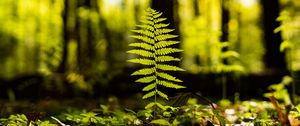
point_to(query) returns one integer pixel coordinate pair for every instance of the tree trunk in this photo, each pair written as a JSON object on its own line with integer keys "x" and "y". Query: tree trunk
{"x": 86, "y": 41}
{"x": 225, "y": 21}
{"x": 66, "y": 38}
{"x": 273, "y": 58}
{"x": 196, "y": 8}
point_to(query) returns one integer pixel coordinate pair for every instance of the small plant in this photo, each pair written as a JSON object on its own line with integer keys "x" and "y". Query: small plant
{"x": 279, "y": 91}
{"x": 226, "y": 64}
{"x": 288, "y": 45}
{"x": 154, "y": 47}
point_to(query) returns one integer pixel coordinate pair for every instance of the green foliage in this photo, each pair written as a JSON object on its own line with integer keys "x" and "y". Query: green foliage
{"x": 280, "y": 91}
{"x": 243, "y": 113}
{"x": 289, "y": 29}
{"x": 21, "y": 120}
{"x": 14, "y": 120}
{"x": 154, "y": 46}
{"x": 296, "y": 112}
{"x": 230, "y": 56}
{"x": 161, "y": 122}
{"x": 219, "y": 117}
{"x": 91, "y": 118}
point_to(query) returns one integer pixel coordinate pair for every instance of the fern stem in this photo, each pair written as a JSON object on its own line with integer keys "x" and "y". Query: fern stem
{"x": 156, "y": 80}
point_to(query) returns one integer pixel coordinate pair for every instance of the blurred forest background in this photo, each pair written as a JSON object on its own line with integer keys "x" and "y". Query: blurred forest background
{"x": 78, "y": 47}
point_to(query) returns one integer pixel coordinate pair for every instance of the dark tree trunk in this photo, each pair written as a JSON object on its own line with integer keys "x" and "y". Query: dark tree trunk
{"x": 225, "y": 21}
{"x": 66, "y": 38}
{"x": 273, "y": 58}
{"x": 86, "y": 41}
{"x": 225, "y": 27}
{"x": 196, "y": 8}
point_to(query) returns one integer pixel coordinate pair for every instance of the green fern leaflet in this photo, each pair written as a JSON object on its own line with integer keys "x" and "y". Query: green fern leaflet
{"x": 154, "y": 50}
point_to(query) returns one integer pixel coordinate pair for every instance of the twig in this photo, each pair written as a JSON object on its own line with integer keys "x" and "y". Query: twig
{"x": 283, "y": 118}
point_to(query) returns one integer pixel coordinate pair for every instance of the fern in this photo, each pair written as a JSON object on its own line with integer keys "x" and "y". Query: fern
{"x": 153, "y": 47}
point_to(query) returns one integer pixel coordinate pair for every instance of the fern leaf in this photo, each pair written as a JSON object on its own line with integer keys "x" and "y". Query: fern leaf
{"x": 229, "y": 54}
{"x": 142, "y": 45}
{"x": 159, "y": 20}
{"x": 160, "y": 25}
{"x": 168, "y": 77}
{"x": 164, "y": 37}
{"x": 149, "y": 12}
{"x": 157, "y": 14}
{"x": 165, "y": 51}
{"x": 149, "y": 94}
{"x": 149, "y": 87}
{"x": 166, "y": 58}
{"x": 150, "y": 105}
{"x": 141, "y": 52}
{"x": 147, "y": 22}
{"x": 162, "y": 31}
{"x": 163, "y": 95}
{"x": 145, "y": 71}
{"x": 147, "y": 79}
{"x": 147, "y": 27}
{"x": 163, "y": 44}
{"x": 286, "y": 45}
{"x": 161, "y": 106}
{"x": 169, "y": 67}
{"x": 170, "y": 84}
{"x": 144, "y": 32}
{"x": 142, "y": 61}
{"x": 144, "y": 38}
{"x": 148, "y": 18}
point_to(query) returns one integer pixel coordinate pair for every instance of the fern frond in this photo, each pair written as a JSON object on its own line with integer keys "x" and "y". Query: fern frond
{"x": 141, "y": 52}
{"x": 157, "y": 14}
{"x": 148, "y": 18}
{"x": 169, "y": 67}
{"x": 150, "y": 105}
{"x": 164, "y": 37}
{"x": 163, "y": 31}
{"x": 144, "y": 32}
{"x": 159, "y": 20}
{"x": 166, "y": 58}
{"x": 149, "y": 94}
{"x": 142, "y": 61}
{"x": 161, "y": 106}
{"x": 163, "y": 95}
{"x": 142, "y": 45}
{"x": 149, "y": 12}
{"x": 149, "y": 87}
{"x": 147, "y": 79}
{"x": 229, "y": 54}
{"x": 161, "y": 25}
{"x": 144, "y": 38}
{"x": 163, "y": 44}
{"x": 170, "y": 84}
{"x": 165, "y": 51}
{"x": 153, "y": 46}
{"x": 145, "y": 71}
{"x": 168, "y": 77}
{"x": 147, "y": 22}
{"x": 147, "y": 27}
